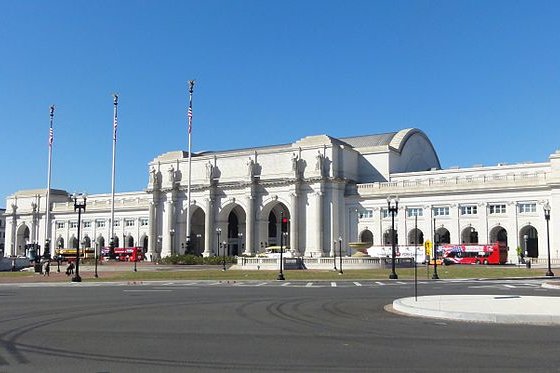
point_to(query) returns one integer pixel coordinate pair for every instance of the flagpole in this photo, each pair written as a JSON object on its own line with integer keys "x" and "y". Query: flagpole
{"x": 46, "y": 249}
{"x": 189, "y": 114}
{"x": 115, "y": 109}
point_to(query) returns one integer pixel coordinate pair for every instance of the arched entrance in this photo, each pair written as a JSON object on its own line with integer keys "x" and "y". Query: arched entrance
{"x": 442, "y": 236}
{"x": 128, "y": 241}
{"x": 469, "y": 235}
{"x": 388, "y": 237}
{"x": 271, "y": 224}
{"x": 100, "y": 241}
{"x": 60, "y": 242}
{"x": 87, "y": 241}
{"x": 144, "y": 242}
{"x": 197, "y": 232}
{"x": 529, "y": 238}
{"x": 498, "y": 234}
{"x": 73, "y": 242}
{"x": 415, "y": 237}
{"x": 235, "y": 228}
{"x": 22, "y": 238}
{"x": 367, "y": 237}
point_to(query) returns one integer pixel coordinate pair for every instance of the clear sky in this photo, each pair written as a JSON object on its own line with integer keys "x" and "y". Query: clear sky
{"x": 481, "y": 78}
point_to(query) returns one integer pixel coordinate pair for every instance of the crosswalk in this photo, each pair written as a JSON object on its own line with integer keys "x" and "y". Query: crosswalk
{"x": 470, "y": 283}
{"x": 501, "y": 284}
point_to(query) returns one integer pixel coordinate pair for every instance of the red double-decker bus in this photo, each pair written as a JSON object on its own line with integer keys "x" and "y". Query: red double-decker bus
{"x": 132, "y": 254}
{"x": 495, "y": 253}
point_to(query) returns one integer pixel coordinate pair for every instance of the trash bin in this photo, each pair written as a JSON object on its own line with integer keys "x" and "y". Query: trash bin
{"x": 528, "y": 263}
{"x": 38, "y": 268}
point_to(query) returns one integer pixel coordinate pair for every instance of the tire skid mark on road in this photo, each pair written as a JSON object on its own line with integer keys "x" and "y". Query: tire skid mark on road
{"x": 9, "y": 338}
{"x": 282, "y": 311}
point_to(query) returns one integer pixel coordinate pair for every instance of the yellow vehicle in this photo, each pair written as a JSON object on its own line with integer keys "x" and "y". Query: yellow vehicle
{"x": 439, "y": 261}
{"x": 64, "y": 254}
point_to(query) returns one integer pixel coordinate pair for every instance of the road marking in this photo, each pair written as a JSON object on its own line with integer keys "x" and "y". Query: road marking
{"x": 400, "y": 282}
{"x": 333, "y": 284}
{"x": 357, "y": 284}
{"x": 510, "y": 286}
{"x": 309, "y": 284}
{"x": 148, "y": 290}
{"x": 379, "y": 283}
{"x": 261, "y": 284}
{"x": 286, "y": 284}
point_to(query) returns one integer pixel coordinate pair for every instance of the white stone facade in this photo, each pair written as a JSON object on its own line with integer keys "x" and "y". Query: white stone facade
{"x": 328, "y": 189}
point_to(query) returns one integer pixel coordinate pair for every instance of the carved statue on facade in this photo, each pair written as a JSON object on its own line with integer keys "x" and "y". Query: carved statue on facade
{"x": 319, "y": 165}
{"x": 251, "y": 168}
{"x": 209, "y": 171}
{"x": 171, "y": 174}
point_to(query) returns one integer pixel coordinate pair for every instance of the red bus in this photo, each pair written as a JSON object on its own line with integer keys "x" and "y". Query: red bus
{"x": 495, "y": 253}
{"x": 132, "y": 254}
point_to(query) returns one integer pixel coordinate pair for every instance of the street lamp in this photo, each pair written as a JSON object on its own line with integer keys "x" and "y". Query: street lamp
{"x": 281, "y": 273}
{"x": 172, "y": 233}
{"x": 96, "y": 259}
{"x": 240, "y": 243}
{"x": 218, "y": 232}
{"x": 224, "y": 255}
{"x": 58, "y": 256}
{"x": 436, "y": 241}
{"x": 79, "y": 205}
{"x": 546, "y": 208}
{"x": 525, "y": 239}
{"x": 393, "y": 210}
{"x": 134, "y": 256}
{"x": 340, "y": 253}
{"x": 198, "y": 248}
{"x": 334, "y": 256}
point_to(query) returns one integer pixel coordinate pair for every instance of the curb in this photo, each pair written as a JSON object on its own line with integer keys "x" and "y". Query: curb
{"x": 465, "y": 308}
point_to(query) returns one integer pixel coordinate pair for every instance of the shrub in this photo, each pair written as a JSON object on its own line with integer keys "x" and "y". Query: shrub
{"x": 190, "y": 259}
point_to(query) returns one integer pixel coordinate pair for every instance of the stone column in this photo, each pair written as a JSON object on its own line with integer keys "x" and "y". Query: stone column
{"x": 166, "y": 230}
{"x": 250, "y": 225}
{"x": 208, "y": 228}
{"x": 319, "y": 223}
{"x": 294, "y": 222}
{"x": 152, "y": 239}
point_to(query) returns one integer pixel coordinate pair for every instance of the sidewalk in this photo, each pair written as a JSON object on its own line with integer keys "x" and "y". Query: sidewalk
{"x": 501, "y": 309}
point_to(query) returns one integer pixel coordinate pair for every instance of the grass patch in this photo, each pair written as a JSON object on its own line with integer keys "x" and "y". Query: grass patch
{"x": 447, "y": 272}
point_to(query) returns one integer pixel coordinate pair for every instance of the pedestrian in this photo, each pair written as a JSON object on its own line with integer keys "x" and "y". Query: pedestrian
{"x": 47, "y": 268}
{"x": 70, "y": 269}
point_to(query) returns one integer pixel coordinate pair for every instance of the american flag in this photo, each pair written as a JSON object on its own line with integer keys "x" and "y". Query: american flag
{"x": 51, "y": 135}
{"x": 189, "y": 114}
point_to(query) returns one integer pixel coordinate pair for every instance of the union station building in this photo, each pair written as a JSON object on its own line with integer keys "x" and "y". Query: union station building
{"x": 331, "y": 190}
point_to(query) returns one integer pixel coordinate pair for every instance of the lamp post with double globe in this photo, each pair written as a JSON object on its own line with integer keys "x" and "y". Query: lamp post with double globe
{"x": 334, "y": 256}
{"x": 340, "y": 254}
{"x": 224, "y": 248}
{"x": 218, "y": 232}
{"x": 80, "y": 205}
{"x": 393, "y": 208}
{"x": 546, "y": 208}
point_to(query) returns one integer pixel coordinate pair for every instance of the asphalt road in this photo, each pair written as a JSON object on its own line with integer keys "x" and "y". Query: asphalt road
{"x": 260, "y": 326}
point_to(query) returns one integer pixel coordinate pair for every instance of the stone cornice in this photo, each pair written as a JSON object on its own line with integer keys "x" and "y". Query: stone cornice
{"x": 457, "y": 185}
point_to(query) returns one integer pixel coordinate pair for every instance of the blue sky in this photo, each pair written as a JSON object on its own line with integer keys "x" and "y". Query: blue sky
{"x": 481, "y": 78}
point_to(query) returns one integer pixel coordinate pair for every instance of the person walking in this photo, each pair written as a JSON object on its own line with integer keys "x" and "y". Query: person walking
{"x": 70, "y": 269}
{"x": 47, "y": 268}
